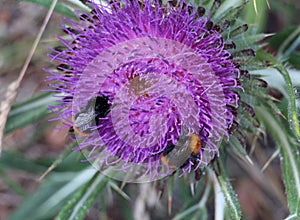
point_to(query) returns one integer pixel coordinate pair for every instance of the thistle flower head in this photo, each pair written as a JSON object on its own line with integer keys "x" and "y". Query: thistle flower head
{"x": 148, "y": 87}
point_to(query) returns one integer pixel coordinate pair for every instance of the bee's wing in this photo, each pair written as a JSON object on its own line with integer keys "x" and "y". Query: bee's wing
{"x": 181, "y": 152}
{"x": 85, "y": 120}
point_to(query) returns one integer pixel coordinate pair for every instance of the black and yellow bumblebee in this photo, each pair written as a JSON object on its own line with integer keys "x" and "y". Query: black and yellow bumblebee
{"x": 175, "y": 156}
{"x": 96, "y": 108}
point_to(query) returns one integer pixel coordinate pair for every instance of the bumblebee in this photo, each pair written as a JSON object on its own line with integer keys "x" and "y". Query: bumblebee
{"x": 97, "y": 107}
{"x": 177, "y": 156}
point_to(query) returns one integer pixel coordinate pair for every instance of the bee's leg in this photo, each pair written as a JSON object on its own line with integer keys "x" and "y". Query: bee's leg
{"x": 198, "y": 174}
{"x": 185, "y": 163}
{"x": 193, "y": 158}
{"x": 215, "y": 164}
{"x": 71, "y": 130}
{"x": 168, "y": 149}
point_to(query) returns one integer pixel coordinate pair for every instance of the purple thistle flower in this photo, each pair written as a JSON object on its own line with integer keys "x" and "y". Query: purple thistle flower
{"x": 140, "y": 81}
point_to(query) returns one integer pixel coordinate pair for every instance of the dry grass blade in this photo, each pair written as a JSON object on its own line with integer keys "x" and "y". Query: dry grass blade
{"x": 268, "y": 3}
{"x": 255, "y": 7}
{"x": 274, "y": 155}
{"x": 46, "y": 173}
{"x": 12, "y": 89}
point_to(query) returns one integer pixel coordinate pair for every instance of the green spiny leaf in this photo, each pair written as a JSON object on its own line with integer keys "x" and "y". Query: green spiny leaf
{"x": 15, "y": 161}
{"x": 292, "y": 110}
{"x": 29, "y": 111}
{"x": 228, "y": 8}
{"x": 290, "y": 44}
{"x": 230, "y": 197}
{"x": 52, "y": 194}
{"x": 290, "y": 163}
{"x": 199, "y": 208}
{"x": 78, "y": 206}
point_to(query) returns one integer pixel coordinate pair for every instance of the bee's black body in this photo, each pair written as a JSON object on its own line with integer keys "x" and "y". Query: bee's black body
{"x": 96, "y": 108}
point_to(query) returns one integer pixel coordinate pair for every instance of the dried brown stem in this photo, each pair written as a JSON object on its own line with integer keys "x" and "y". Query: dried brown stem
{"x": 12, "y": 89}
